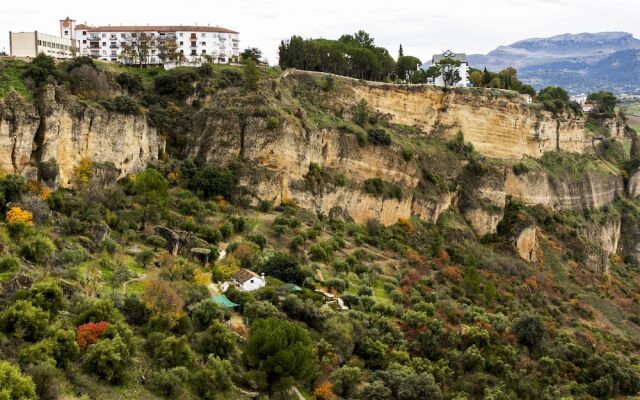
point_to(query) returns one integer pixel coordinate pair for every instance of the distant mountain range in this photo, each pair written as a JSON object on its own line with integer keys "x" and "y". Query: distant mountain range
{"x": 581, "y": 63}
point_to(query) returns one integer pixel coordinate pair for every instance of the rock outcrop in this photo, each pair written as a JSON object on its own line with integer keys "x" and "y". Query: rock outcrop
{"x": 65, "y": 131}
{"x": 527, "y": 244}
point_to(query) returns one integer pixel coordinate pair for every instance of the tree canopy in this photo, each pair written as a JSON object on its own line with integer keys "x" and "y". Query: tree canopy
{"x": 355, "y": 56}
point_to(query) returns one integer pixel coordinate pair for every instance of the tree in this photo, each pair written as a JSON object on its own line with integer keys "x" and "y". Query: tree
{"x": 400, "y": 52}
{"x": 108, "y": 358}
{"x": 252, "y": 53}
{"x": 407, "y": 66}
{"x": 529, "y": 330}
{"x": 476, "y": 78}
{"x": 162, "y": 299}
{"x": 345, "y": 380}
{"x": 283, "y": 267}
{"x": 213, "y": 379}
{"x": 419, "y": 386}
{"x": 212, "y": 180}
{"x": 14, "y": 385}
{"x": 251, "y": 74}
{"x": 281, "y": 350}
{"x": 217, "y": 340}
{"x": 605, "y": 101}
{"x": 42, "y": 70}
{"x": 150, "y": 188}
{"x": 449, "y": 71}
{"x": 24, "y": 320}
{"x": 205, "y": 313}
{"x": 174, "y": 352}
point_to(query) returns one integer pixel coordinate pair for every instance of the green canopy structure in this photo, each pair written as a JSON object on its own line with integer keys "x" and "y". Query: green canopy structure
{"x": 224, "y": 301}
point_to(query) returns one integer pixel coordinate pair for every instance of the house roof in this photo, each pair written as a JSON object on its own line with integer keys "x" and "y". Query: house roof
{"x": 449, "y": 54}
{"x": 154, "y": 28}
{"x": 224, "y": 301}
{"x": 244, "y": 275}
{"x": 67, "y": 22}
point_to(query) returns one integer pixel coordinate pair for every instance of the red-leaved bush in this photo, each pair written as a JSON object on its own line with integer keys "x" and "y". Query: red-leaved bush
{"x": 90, "y": 332}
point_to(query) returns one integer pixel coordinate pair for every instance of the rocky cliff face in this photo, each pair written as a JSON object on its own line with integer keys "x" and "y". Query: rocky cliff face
{"x": 65, "y": 131}
{"x": 498, "y": 126}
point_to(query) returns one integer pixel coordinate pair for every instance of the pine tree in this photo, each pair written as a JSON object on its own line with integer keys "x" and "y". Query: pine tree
{"x": 400, "y": 52}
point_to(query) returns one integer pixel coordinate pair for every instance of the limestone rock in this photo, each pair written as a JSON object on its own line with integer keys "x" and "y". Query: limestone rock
{"x": 527, "y": 244}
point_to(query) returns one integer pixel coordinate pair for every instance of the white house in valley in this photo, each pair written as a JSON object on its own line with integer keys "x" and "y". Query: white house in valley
{"x": 248, "y": 281}
{"x": 462, "y": 69}
{"x": 154, "y": 44}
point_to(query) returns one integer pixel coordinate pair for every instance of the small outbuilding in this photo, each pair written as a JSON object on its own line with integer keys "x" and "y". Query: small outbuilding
{"x": 247, "y": 281}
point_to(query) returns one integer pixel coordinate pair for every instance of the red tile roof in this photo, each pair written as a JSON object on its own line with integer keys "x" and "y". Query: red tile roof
{"x": 244, "y": 275}
{"x": 154, "y": 28}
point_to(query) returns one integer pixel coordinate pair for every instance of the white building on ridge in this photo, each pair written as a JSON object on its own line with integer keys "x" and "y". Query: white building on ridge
{"x": 463, "y": 68}
{"x": 154, "y": 44}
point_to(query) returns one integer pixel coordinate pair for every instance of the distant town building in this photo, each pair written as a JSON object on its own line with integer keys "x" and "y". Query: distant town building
{"x": 463, "y": 68}
{"x": 580, "y": 98}
{"x": 166, "y": 44}
{"x": 527, "y": 98}
{"x": 30, "y": 44}
{"x": 248, "y": 281}
{"x": 587, "y": 107}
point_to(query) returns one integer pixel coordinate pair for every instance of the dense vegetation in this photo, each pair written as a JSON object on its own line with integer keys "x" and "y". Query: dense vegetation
{"x": 95, "y": 304}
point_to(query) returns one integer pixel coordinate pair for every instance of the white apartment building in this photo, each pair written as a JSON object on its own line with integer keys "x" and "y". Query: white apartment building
{"x": 30, "y": 44}
{"x": 463, "y": 68}
{"x": 194, "y": 44}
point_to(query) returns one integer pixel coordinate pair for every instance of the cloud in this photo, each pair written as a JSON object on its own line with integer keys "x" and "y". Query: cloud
{"x": 424, "y": 27}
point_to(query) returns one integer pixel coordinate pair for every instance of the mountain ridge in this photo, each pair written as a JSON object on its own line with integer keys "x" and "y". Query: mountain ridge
{"x": 574, "y": 61}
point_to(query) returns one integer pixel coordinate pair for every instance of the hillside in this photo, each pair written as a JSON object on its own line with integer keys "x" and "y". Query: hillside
{"x": 417, "y": 242}
{"x": 581, "y": 63}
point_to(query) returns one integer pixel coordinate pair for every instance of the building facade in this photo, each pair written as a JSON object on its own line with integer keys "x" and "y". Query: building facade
{"x": 248, "y": 281}
{"x": 462, "y": 69}
{"x": 30, "y": 44}
{"x": 171, "y": 44}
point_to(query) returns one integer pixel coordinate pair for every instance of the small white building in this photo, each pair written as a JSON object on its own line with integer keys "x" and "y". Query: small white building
{"x": 30, "y": 44}
{"x": 463, "y": 68}
{"x": 248, "y": 281}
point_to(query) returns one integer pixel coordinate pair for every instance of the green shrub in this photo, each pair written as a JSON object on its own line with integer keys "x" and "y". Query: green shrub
{"x": 230, "y": 77}
{"x": 520, "y": 169}
{"x": 108, "y": 358}
{"x": 25, "y": 320}
{"x": 273, "y": 123}
{"x": 9, "y": 263}
{"x": 14, "y": 385}
{"x": 129, "y": 82}
{"x": 380, "y": 188}
{"x": 378, "y": 137}
{"x": 168, "y": 382}
{"x": 126, "y": 105}
{"x": 529, "y": 330}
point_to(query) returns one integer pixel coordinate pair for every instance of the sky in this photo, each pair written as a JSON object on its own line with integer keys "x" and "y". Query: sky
{"x": 423, "y": 27}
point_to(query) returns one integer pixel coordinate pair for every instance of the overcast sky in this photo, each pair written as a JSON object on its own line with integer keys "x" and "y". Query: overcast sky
{"x": 423, "y": 27}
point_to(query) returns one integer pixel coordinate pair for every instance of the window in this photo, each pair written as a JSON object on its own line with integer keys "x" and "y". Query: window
{"x": 203, "y": 35}
{"x": 84, "y": 33}
{"x": 104, "y": 43}
{"x": 122, "y": 35}
{"x": 181, "y": 43}
{"x": 104, "y": 35}
{"x": 203, "y": 43}
{"x": 84, "y": 42}
{"x": 66, "y": 32}
{"x": 180, "y": 34}
{"x": 204, "y": 52}
{"x": 181, "y": 51}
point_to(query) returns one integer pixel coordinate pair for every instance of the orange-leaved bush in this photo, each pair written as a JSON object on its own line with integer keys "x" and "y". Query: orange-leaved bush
{"x": 17, "y": 214}
{"x": 89, "y": 333}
